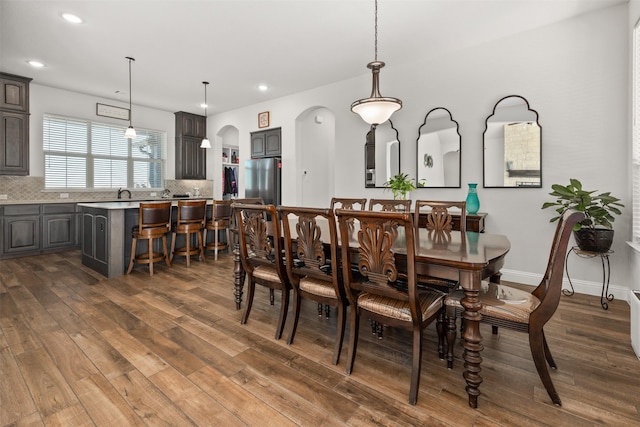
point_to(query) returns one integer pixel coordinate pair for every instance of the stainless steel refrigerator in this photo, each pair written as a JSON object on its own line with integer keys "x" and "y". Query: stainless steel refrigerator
{"x": 262, "y": 179}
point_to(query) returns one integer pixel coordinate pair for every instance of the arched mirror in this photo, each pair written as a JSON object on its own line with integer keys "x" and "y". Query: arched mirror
{"x": 438, "y": 150}
{"x": 513, "y": 145}
{"x": 382, "y": 154}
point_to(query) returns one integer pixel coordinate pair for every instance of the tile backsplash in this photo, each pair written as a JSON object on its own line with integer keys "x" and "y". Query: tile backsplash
{"x": 31, "y": 189}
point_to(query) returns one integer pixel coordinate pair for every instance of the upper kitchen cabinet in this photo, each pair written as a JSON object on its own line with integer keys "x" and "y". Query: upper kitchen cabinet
{"x": 191, "y": 160}
{"x": 266, "y": 143}
{"x": 188, "y": 124}
{"x": 14, "y": 125}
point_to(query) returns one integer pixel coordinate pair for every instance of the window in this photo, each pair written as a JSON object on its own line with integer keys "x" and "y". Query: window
{"x": 80, "y": 154}
{"x": 636, "y": 132}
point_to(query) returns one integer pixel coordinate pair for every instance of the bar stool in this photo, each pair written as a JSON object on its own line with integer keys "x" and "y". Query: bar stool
{"x": 154, "y": 222}
{"x": 220, "y": 219}
{"x": 192, "y": 215}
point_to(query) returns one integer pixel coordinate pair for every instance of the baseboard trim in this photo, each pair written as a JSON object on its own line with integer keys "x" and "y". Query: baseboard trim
{"x": 580, "y": 286}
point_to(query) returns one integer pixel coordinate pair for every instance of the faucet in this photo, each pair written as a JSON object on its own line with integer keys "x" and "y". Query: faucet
{"x": 120, "y": 191}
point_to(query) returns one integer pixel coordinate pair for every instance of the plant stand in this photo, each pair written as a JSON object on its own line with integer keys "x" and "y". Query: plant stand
{"x": 606, "y": 273}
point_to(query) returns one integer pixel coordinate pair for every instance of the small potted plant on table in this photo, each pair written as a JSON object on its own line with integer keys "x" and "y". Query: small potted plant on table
{"x": 400, "y": 184}
{"x": 595, "y": 232}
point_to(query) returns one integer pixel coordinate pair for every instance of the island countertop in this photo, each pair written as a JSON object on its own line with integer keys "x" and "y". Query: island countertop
{"x": 133, "y": 204}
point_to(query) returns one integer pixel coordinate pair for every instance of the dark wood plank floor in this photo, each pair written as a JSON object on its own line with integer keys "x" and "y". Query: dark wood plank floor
{"x": 79, "y": 349}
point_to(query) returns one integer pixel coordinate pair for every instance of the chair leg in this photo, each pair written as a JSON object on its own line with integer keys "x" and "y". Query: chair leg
{"x": 250, "y": 293}
{"x": 296, "y": 315}
{"x": 201, "y": 245}
{"x": 547, "y": 353}
{"x": 133, "y": 255}
{"x": 536, "y": 343}
{"x": 166, "y": 252}
{"x": 416, "y": 364}
{"x": 187, "y": 243}
{"x": 440, "y": 325}
{"x": 284, "y": 307}
{"x": 271, "y": 297}
{"x": 173, "y": 246}
{"x": 339, "y": 333}
{"x": 353, "y": 339}
{"x": 215, "y": 240}
{"x": 150, "y": 256}
{"x": 451, "y": 334}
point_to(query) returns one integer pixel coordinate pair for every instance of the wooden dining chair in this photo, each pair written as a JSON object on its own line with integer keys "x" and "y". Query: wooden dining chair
{"x": 154, "y": 222}
{"x": 435, "y": 215}
{"x": 377, "y": 289}
{"x": 313, "y": 264}
{"x": 520, "y": 310}
{"x": 192, "y": 215}
{"x": 261, "y": 256}
{"x": 347, "y": 203}
{"x": 390, "y": 205}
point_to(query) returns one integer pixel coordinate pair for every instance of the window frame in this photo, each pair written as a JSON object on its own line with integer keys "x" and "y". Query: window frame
{"x": 90, "y": 156}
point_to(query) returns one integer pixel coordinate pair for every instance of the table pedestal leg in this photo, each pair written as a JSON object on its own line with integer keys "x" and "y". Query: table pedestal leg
{"x": 472, "y": 342}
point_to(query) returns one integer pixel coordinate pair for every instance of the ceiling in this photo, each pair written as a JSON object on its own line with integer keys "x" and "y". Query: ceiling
{"x": 290, "y": 45}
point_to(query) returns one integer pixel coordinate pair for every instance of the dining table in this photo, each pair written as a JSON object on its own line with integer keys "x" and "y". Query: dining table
{"x": 466, "y": 257}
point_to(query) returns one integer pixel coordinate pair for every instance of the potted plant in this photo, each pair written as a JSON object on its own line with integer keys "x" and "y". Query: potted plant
{"x": 401, "y": 184}
{"x": 595, "y": 232}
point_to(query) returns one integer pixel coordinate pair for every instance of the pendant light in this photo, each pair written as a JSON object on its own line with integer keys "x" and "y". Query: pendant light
{"x": 205, "y": 142}
{"x": 376, "y": 109}
{"x": 130, "y": 132}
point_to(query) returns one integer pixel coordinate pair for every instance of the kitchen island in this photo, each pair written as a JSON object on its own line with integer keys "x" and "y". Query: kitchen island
{"x": 106, "y": 233}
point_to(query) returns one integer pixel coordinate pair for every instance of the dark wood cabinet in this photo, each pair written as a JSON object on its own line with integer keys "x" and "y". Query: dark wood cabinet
{"x": 14, "y": 125}
{"x": 95, "y": 239}
{"x": 266, "y": 143}
{"x": 191, "y": 160}
{"x": 20, "y": 229}
{"x": 38, "y": 228}
{"x": 59, "y": 226}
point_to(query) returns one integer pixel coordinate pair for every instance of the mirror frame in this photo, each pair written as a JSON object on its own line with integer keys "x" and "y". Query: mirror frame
{"x": 371, "y": 145}
{"x": 424, "y": 123}
{"x": 484, "y": 143}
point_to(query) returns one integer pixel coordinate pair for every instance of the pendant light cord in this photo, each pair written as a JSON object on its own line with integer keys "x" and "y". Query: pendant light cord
{"x": 130, "y": 109}
{"x": 376, "y": 33}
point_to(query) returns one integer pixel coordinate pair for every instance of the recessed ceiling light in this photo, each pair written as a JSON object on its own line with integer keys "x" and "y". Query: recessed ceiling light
{"x": 263, "y": 87}
{"x": 36, "y": 64}
{"x": 204, "y": 105}
{"x": 72, "y": 18}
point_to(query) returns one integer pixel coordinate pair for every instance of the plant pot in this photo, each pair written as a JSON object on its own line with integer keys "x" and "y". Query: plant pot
{"x": 594, "y": 240}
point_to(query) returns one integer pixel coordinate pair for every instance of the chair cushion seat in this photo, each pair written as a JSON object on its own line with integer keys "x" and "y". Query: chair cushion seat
{"x": 149, "y": 232}
{"x": 266, "y": 272}
{"x": 317, "y": 287}
{"x": 501, "y": 302}
{"x": 430, "y": 302}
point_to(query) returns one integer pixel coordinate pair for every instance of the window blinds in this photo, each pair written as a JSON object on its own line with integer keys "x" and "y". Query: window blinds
{"x": 80, "y": 154}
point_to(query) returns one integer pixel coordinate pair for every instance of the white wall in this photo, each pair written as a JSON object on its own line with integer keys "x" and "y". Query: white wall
{"x": 44, "y": 99}
{"x": 574, "y": 73}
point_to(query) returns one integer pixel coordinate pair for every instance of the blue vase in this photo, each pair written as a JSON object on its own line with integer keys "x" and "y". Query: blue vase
{"x": 473, "y": 203}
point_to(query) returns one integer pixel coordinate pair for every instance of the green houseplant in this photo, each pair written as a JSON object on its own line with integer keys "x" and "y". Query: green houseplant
{"x": 595, "y": 232}
{"x": 400, "y": 184}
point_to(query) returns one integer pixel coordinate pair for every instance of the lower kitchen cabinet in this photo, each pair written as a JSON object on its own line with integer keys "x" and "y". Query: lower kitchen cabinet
{"x": 32, "y": 229}
{"x": 95, "y": 239}
{"x": 20, "y": 229}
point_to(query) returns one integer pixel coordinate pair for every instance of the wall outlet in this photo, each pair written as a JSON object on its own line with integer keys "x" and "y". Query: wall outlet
{"x": 3, "y": 197}
{"x": 64, "y": 195}
{"x": 153, "y": 194}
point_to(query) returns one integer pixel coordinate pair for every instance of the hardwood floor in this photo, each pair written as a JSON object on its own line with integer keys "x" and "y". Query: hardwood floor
{"x": 79, "y": 349}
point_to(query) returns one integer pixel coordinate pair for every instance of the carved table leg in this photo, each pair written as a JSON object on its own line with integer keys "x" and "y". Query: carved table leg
{"x": 238, "y": 274}
{"x": 472, "y": 342}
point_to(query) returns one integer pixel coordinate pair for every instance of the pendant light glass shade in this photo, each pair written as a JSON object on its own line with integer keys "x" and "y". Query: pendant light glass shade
{"x": 205, "y": 142}
{"x": 130, "y": 133}
{"x": 376, "y": 109}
